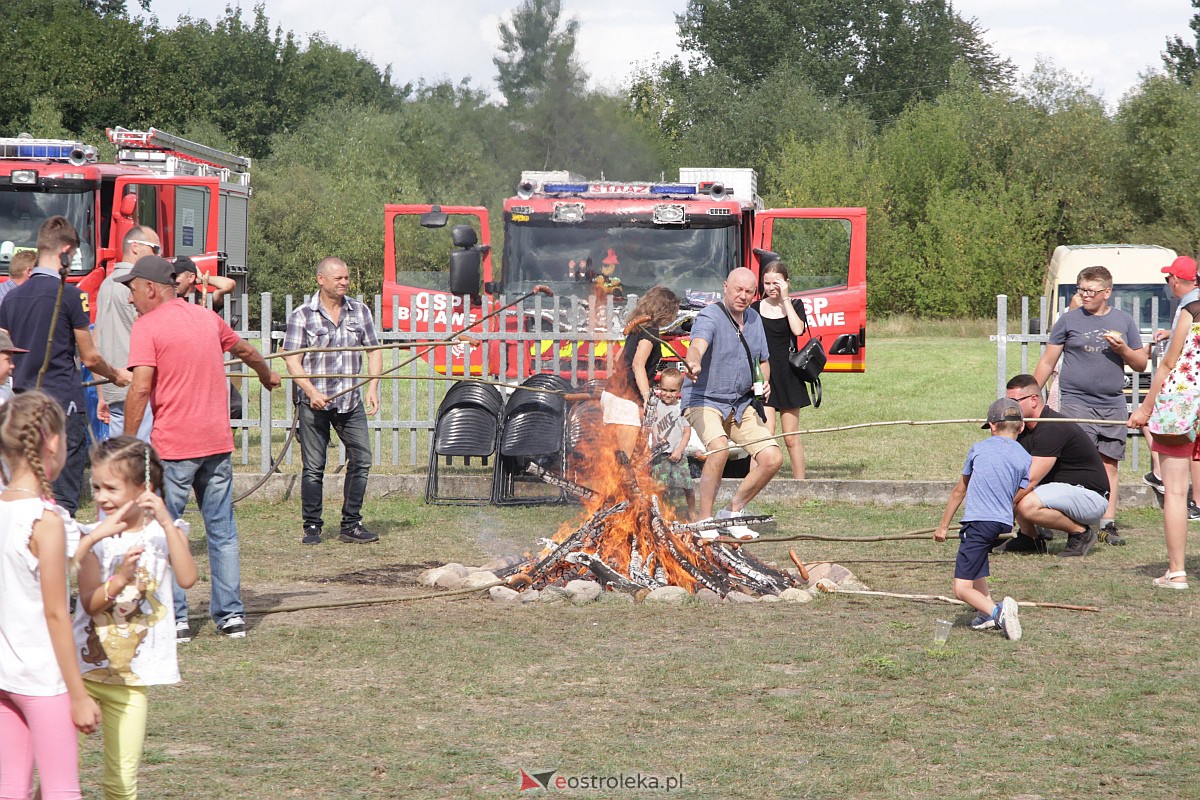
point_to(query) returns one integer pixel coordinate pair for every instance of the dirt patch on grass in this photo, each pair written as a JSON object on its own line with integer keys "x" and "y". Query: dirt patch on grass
{"x": 386, "y": 575}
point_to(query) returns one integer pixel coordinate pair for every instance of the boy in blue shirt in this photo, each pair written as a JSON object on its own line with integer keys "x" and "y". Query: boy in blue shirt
{"x": 996, "y": 469}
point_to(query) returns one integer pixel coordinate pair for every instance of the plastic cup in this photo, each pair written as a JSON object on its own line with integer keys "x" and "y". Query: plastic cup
{"x": 941, "y": 631}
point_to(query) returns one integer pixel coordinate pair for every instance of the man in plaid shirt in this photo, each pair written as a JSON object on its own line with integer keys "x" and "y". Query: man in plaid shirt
{"x": 331, "y": 319}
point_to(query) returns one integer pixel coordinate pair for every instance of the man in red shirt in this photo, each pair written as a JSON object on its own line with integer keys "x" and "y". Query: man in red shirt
{"x": 176, "y": 352}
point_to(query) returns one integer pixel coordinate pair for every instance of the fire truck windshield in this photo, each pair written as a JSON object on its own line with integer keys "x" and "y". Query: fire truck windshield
{"x": 22, "y": 213}
{"x": 570, "y": 258}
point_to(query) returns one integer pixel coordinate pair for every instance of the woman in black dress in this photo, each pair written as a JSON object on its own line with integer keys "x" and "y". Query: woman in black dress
{"x": 783, "y": 320}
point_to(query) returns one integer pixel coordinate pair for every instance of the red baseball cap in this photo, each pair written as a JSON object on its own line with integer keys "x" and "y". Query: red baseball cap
{"x": 1183, "y": 268}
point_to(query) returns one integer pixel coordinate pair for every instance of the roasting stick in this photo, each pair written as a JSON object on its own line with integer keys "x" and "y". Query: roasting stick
{"x": 453, "y": 335}
{"x": 937, "y": 598}
{"x": 914, "y": 422}
{"x": 922, "y": 534}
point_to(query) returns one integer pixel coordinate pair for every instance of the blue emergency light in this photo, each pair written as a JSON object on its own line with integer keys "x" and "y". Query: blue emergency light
{"x": 564, "y": 188}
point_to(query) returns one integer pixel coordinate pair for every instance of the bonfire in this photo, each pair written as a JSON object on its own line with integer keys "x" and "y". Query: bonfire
{"x": 628, "y": 538}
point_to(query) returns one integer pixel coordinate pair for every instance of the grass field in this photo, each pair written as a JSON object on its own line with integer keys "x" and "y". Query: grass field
{"x": 844, "y": 697}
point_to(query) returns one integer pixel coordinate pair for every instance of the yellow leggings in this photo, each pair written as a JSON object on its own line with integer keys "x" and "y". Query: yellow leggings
{"x": 124, "y": 709}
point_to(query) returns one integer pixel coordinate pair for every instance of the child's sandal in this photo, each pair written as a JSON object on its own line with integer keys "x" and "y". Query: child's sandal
{"x": 1168, "y": 581}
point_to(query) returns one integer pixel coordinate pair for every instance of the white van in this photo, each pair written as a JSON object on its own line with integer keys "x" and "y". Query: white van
{"x": 1137, "y": 280}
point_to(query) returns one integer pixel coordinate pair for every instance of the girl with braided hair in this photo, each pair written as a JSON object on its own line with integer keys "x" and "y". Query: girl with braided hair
{"x": 125, "y": 623}
{"x": 42, "y": 697}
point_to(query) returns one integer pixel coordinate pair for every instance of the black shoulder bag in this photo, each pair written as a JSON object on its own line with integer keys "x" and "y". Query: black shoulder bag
{"x": 755, "y": 402}
{"x": 808, "y": 362}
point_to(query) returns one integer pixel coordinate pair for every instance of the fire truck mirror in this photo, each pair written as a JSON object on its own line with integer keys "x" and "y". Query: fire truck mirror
{"x": 434, "y": 218}
{"x": 765, "y": 257}
{"x": 465, "y": 272}
{"x": 844, "y": 345}
{"x": 129, "y": 205}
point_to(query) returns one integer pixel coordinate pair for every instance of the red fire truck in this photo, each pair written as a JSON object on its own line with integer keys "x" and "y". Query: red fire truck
{"x": 598, "y": 243}
{"x": 195, "y": 197}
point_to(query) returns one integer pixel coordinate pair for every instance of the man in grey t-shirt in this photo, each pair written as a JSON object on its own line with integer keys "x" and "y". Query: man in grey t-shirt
{"x": 1096, "y": 342}
{"x": 114, "y": 321}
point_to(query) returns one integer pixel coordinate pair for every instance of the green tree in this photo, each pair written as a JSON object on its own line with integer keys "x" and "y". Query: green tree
{"x": 1181, "y": 59}
{"x": 1160, "y": 125}
{"x": 537, "y": 56}
{"x": 885, "y": 53}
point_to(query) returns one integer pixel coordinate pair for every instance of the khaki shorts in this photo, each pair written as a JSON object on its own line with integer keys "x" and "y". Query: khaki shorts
{"x": 710, "y": 426}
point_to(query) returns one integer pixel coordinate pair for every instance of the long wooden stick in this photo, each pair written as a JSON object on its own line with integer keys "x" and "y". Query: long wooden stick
{"x": 913, "y": 422}
{"x": 937, "y": 598}
{"x": 922, "y": 534}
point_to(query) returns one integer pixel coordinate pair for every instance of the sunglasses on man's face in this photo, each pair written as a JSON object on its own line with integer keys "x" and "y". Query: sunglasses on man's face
{"x": 154, "y": 248}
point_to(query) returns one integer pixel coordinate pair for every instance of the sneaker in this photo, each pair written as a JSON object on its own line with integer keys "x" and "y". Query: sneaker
{"x": 709, "y": 534}
{"x": 1009, "y": 620}
{"x": 183, "y": 632}
{"x": 234, "y": 628}
{"x": 1023, "y": 544}
{"x": 1078, "y": 544}
{"x": 1108, "y": 534}
{"x": 1193, "y": 511}
{"x": 736, "y": 531}
{"x": 312, "y": 534}
{"x": 357, "y": 535}
{"x": 1154, "y": 482}
{"x": 982, "y": 622}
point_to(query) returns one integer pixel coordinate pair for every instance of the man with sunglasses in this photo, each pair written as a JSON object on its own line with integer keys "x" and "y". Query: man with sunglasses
{"x": 1096, "y": 342}
{"x": 1067, "y": 482}
{"x": 114, "y": 321}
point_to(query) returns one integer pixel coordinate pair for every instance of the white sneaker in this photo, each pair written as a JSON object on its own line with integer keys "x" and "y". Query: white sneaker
{"x": 183, "y": 632}
{"x": 709, "y": 534}
{"x": 736, "y": 531}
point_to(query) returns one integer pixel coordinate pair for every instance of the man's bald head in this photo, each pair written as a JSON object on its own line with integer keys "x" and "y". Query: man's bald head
{"x": 740, "y": 288}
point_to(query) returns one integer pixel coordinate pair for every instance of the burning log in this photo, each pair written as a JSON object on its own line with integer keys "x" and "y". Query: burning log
{"x": 576, "y": 490}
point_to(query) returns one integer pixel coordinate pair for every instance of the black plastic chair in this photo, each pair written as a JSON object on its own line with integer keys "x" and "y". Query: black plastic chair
{"x": 467, "y": 426}
{"x": 532, "y": 429}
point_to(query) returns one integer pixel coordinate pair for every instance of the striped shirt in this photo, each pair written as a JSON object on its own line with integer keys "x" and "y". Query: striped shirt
{"x": 310, "y": 326}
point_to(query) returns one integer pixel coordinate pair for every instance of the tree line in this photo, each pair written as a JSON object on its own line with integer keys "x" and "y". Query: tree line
{"x": 900, "y": 106}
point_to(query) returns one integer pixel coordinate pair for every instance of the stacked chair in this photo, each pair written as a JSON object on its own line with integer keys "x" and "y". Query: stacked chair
{"x": 467, "y": 426}
{"x": 532, "y": 429}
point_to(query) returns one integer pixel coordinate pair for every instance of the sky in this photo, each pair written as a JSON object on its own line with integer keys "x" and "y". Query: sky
{"x": 1106, "y": 44}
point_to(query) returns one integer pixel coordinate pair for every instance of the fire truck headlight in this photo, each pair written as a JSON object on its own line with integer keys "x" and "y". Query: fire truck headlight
{"x": 26, "y": 176}
{"x": 567, "y": 212}
{"x": 669, "y": 214}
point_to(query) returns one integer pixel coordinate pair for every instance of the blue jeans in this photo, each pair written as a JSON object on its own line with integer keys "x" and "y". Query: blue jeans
{"x": 212, "y": 479}
{"x": 116, "y": 425}
{"x": 313, "y": 432}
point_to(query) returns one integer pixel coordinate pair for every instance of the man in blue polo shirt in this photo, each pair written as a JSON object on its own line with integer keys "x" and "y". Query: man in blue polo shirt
{"x": 26, "y": 315}
{"x": 727, "y": 340}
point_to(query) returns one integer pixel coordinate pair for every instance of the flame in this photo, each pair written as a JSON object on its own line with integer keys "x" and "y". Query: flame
{"x": 636, "y": 540}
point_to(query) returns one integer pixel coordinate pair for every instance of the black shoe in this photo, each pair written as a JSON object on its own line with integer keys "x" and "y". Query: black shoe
{"x": 1109, "y": 535}
{"x": 312, "y": 534}
{"x": 1023, "y": 544}
{"x": 1078, "y": 544}
{"x": 357, "y": 535}
{"x": 1193, "y": 511}
{"x": 1154, "y": 482}
{"x": 233, "y": 628}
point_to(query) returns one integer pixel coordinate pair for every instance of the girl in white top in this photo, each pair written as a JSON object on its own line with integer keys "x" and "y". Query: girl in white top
{"x": 124, "y": 624}
{"x": 42, "y": 697}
